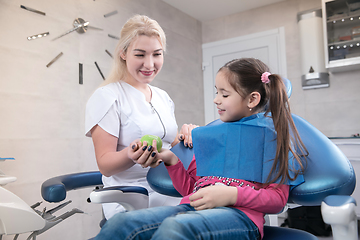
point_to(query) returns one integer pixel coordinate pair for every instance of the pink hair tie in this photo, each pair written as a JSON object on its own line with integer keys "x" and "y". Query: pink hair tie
{"x": 265, "y": 77}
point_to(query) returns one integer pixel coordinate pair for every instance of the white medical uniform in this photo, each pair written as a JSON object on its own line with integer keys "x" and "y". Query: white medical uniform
{"x": 122, "y": 110}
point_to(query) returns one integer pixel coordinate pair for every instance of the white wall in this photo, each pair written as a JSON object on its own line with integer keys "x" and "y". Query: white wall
{"x": 42, "y": 109}
{"x": 332, "y": 110}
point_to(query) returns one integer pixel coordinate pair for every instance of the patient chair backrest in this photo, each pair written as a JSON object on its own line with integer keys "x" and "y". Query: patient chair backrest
{"x": 328, "y": 171}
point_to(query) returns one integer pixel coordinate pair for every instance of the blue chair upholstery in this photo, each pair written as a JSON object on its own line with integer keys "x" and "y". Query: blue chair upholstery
{"x": 54, "y": 189}
{"x": 329, "y": 172}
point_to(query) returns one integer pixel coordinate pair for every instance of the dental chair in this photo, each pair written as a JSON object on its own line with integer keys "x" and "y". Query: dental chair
{"x": 329, "y": 182}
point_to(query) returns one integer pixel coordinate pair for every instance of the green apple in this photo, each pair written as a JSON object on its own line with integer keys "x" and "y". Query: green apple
{"x": 149, "y": 139}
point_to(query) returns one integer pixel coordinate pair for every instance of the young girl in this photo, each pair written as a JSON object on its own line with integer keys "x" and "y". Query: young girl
{"x": 224, "y": 199}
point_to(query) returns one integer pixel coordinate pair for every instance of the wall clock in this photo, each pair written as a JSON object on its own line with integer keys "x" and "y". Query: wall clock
{"x": 79, "y": 26}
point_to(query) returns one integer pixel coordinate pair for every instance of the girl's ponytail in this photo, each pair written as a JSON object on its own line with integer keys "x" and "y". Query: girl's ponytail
{"x": 288, "y": 138}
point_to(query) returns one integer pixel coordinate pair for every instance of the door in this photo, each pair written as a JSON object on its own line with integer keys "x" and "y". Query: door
{"x": 267, "y": 46}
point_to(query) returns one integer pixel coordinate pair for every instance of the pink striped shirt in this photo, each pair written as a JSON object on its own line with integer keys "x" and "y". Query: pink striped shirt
{"x": 253, "y": 198}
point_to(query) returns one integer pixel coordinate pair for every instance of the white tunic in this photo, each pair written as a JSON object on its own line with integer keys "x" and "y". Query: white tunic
{"x": 122, "y": 110}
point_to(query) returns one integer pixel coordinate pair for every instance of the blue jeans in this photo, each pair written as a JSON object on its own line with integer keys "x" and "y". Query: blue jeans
{"x": 180, "y": 222}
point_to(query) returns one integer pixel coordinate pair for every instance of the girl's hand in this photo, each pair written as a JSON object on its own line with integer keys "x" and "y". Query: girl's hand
{"x": 185, "y": 134}
{"x": 143, "y": 154}
{"x": 168, "y": 157}
{"x": 213, "y": 196}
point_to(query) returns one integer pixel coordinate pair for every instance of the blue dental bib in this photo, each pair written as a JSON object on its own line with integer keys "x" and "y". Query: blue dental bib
{"x": 243, "y": 150}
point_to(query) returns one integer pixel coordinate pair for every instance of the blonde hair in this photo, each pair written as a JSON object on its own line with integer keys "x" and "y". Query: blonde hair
{"x": 136, "y": 26}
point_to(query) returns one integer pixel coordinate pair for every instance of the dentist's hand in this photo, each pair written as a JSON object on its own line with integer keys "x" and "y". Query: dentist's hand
{"x": 143, "y": 153}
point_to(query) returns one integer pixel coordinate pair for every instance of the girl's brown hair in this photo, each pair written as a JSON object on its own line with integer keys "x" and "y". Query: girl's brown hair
{"x": 244, "y": 76}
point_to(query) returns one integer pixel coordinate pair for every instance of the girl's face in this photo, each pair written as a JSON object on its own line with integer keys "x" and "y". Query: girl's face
{"x": 231, "y": 106}
{"x": 144, "y": 60}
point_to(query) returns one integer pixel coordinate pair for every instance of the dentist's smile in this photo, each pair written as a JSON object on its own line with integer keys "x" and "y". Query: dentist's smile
{"x": 147, "y": 73}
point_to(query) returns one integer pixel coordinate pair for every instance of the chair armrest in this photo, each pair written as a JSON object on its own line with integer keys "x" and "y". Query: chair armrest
{"x": 339, "y": 212}
{"x": 54, "y": 189}
{"x": 130, "y": 197}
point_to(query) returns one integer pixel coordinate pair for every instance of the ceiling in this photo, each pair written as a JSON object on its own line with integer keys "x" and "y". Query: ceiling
{"x": 204, "y": 10}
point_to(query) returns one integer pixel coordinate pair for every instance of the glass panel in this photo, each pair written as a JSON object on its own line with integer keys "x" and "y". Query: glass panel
{"x": 343, "y": 29}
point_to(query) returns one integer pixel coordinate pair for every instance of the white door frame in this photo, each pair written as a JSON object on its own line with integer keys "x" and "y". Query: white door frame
{"x": 210, "y": 50}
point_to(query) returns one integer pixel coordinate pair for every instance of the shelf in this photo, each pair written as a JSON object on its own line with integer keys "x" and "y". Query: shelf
{"x": 355, "y": 42}
{"x": 352, "y": 138}
{"x": 355, "y": 16}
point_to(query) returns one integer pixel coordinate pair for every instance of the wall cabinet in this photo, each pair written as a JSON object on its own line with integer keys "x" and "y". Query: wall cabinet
{"x": 341, "y": 19}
